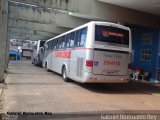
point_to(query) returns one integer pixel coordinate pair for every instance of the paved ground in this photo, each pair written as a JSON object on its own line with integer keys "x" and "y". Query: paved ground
{"x": 32, "y": 89}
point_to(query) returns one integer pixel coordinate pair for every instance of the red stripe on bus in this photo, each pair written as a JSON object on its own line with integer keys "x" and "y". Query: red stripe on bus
{"x": 66, "y": 53}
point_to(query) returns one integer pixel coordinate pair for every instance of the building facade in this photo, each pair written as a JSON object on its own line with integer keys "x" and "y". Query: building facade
{"x": 146, "y": 50}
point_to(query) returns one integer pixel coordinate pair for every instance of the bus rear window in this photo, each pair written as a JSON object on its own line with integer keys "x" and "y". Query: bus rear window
{"x": 111, "y": 35}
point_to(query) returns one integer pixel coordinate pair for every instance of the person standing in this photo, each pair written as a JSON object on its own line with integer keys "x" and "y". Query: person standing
{"x": 137, "y": 73}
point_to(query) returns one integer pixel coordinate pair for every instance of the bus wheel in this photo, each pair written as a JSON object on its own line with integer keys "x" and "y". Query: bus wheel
{"x": 34, "y": 62}
{"x": 46, "y": 67}
{"x": 64, "y": 75}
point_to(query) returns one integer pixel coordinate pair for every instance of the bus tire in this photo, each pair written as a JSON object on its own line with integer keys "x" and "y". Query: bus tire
{"x": 64, "y": 74}
{"x": 47, "y": 68}
{"x": 35, "y": 62}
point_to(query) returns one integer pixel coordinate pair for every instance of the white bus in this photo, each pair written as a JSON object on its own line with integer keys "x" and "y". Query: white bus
{"x": 37, "y": 53}
{"x": 95, "y": 52}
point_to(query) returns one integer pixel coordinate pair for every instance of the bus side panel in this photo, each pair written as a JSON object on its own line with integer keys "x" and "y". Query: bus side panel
{"x": 44, "y": 58}
{"x": 79, "y": 56}
{"x": 87, "y": 70}
{"x": 53, "y": 66}
{"x": 49, "y": 60}
{"x": 76, "y": 64}
{"x": 57, "y": 62}
{"x": 88, "y": 54}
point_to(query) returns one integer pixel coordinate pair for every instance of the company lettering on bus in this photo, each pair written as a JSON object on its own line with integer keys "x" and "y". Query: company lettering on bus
{"x": 112, "y": 35}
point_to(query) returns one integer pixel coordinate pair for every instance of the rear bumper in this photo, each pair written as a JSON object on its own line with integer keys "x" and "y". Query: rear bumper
{"x": 91, "y": 78}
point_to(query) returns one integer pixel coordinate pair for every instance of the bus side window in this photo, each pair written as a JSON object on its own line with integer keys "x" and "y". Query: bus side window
{"x": 83, "y": 36}
{"x": 72, "y": 35}
{"x": 53, "y": 44}
{"x": 46, "y": 46}
{"x": 67, "y": 41}
{"x": 50, "y": 43}
{"x": 77, "y": 38}
{"x": 63, "y": 41}
{"x": 60, "y": 43}
{"x": 56, "y": 44}
{"x": 57, "y": 47}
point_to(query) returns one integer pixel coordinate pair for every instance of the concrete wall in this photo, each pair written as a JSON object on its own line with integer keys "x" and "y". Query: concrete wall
{"x": 30, "y": 22}
{"x": 3, "y": 36}
{"x": 41, "y": 15}
{"x": 115, "y": 13}
{"x": 104, "y": 11}
{"x": 68, "y": 5}
{"x": 125, "y": 15}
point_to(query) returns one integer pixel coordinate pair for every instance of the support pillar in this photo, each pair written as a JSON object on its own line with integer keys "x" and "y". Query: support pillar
{"x": 3, "y": 36}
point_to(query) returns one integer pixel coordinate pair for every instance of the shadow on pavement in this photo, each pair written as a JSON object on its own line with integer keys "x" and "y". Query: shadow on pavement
{"x": 121, "y": 88}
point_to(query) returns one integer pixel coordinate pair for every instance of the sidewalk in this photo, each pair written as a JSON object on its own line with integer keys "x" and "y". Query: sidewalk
{"x": 156, "y": 83}
{"x": 151, "y": 88}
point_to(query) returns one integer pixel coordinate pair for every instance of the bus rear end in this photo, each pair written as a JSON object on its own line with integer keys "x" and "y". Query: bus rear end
{"x": 37, "y": 55}
{"x": 111, "y": 54}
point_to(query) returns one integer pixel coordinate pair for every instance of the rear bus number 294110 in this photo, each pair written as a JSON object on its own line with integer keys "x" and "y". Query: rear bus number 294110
{"x": 112, "y": 63}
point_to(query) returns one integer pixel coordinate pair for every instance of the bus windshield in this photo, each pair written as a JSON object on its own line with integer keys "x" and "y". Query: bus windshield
{"x": 111, "y": 35}
{"x": 42, "y": 43}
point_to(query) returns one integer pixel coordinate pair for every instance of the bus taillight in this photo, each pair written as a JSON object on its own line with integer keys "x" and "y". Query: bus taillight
{"x": 89, "y": 63}
{"x": 129, "y": 66}
{"x": 129, "y": 69}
